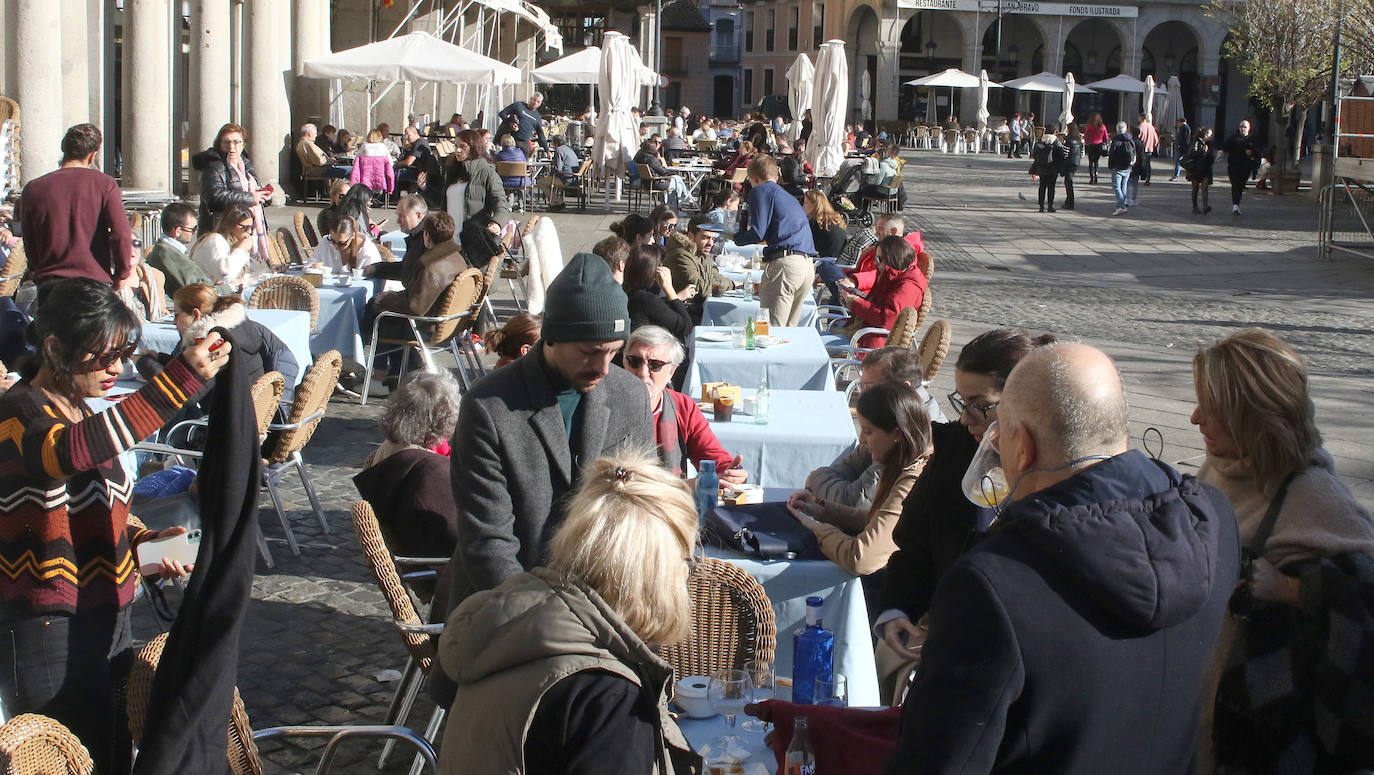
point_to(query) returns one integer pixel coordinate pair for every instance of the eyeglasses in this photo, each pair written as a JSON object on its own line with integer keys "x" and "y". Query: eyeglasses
{"x": 957, "y": 401}
{"x": 636, "y": 362}
{"x": 670, "y": 225}
{"x": 233, "y": 142}
{"x": 110, "y": 357}
{"x": 193, "y": 228}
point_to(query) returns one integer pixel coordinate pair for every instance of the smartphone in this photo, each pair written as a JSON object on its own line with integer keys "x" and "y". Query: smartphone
{"x": 182, "y": 547}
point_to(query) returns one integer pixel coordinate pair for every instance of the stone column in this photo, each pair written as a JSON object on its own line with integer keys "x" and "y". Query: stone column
{"x": 311, "y": 42}
{"x": 264, "y": 109}
{"x": 885, "y": 85}
{"x": 210, "y": 87}
{"x": 972, "y": 62}
{"x": 76, "y": 46}
{"x": 39, "y": 73}
{"x": 146, "y": 141}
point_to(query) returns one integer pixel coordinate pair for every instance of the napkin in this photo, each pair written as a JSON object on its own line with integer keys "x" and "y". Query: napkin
{"x": 849, "y": 740}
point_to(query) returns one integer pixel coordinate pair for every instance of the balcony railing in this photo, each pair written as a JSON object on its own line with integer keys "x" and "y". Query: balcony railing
{"x": 724, "y": 53}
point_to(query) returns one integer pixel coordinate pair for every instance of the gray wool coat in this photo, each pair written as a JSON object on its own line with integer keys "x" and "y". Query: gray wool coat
{"x": 512, "y": 467}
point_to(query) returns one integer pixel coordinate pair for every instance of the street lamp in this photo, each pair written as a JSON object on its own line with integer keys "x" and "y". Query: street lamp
{"x": 657, "y": 108}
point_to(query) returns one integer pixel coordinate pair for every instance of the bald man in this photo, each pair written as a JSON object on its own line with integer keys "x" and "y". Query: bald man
{"x": 1073, "y": 639}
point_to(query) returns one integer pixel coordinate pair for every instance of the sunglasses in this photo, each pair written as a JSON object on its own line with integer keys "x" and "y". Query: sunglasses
{"x": 670, "y": 226}
{"x": 343, "y": 243}
{"x": 246, "y": 226}
{"x": 110, "y": 357}
{"x": 636, "y": 362}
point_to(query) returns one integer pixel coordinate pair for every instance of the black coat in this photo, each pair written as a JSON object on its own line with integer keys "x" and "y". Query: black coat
{"x": 219, "y": 186}
{"x": 1075, "y": 638}
{"x": 1073, "y": 156}
{"x": 650, "y": 308}
{"x": 1242, "y": 155}
{"x": 1199, "y": 161}
{"x": 1183, "y": 138}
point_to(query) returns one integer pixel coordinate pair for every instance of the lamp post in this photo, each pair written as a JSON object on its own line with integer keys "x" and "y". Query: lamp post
{"x": 657, "y": 108}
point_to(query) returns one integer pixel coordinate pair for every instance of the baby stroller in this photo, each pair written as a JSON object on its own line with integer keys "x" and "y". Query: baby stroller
{"x": 842, "y": 187}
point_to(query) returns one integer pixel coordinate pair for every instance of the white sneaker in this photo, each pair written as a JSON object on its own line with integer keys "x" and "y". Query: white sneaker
{"x": 1119, "y": 211}
{"x": 1133, "y": 203}
{"x": 1235, "y": 209}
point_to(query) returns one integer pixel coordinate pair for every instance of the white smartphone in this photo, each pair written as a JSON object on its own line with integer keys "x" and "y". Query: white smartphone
{"x": 182, "y": 548}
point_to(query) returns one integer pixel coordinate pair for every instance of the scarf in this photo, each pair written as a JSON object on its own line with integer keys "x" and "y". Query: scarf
{"x": 250, "y": 184}
{"x": 665, "y": 433}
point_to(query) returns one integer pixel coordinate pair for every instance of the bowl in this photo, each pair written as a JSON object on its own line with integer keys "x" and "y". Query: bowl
{"x": 692, "y": 698}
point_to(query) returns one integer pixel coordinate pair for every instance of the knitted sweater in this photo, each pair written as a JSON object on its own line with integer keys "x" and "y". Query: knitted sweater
{"x": 65, "y": 543}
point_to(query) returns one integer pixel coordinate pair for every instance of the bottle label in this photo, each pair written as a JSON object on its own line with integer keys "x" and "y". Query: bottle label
{"x": 801, "y": 768}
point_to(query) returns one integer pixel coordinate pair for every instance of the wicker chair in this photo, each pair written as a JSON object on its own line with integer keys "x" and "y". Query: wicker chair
{"x": 13, "y": 271}
{"x": 732, "y": 622}
{"x": 933, "y": 349}
{"x": 276, "y": 253}
{"x": 386, "y": 254}
{"x": 290, "y": 246}
{"x": 287, "y": 292}
{"x": 446, "y": 330}
{"x": 890, "y": 200}
{"x": 420, "y": 639}
{"x": 282, "y": 450}
{"x": 926, "y": 263}
{"x": 927, "y": 301}
{"x": 305, "y": 233}
{"x": 515, "y": 169}
{"x": 31, "y": 744}
{"x": 242, "y": 740}
{"x": 902, "y": 334}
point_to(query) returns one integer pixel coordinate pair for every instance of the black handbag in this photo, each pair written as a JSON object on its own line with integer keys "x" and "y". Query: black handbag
{"x": 765, "y": 531}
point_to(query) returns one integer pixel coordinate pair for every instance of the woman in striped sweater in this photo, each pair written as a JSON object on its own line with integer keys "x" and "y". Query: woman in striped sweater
{"x": 67, "y": 553}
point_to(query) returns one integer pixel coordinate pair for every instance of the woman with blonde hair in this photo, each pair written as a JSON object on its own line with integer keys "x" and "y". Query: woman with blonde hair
{"x": 1311, "y": 542}
{"x": 556, "y": 668}
{"x": 827, "y": 226}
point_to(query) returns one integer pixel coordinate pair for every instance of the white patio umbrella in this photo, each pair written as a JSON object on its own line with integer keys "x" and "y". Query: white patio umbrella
{"x": 829, "y": 101}
{"x": 954, "y": 78}
{"x": 1044, "y": 82}
{"x": 865, "y": 93}
{"x": 583, "y": 67}
{"x": 983, "y": 84}
{"x": 1124, "y": 83}
{"x": 616, "y": 133}
{"x": 801, "y": 79}
{"x": 418, "y": 56}
{"x": 1066, "y": 115}
{"x": 1148, "y": 102}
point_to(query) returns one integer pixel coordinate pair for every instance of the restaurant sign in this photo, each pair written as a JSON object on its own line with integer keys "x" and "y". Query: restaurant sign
{"x": 1023, "y": 6}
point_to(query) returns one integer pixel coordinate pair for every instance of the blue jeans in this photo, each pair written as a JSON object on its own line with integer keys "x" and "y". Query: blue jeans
{"x": 1119, "y": 178}
{"x": 830, "y": 274}
{"x": 1133, "y": 188}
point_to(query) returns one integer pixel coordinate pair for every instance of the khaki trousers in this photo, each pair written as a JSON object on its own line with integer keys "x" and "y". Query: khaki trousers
{"x": 786, "y": 281}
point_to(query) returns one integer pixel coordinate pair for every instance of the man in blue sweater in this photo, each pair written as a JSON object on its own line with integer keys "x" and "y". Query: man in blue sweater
{"x": 523, "y": 121}
{"x": 778, "y": 222}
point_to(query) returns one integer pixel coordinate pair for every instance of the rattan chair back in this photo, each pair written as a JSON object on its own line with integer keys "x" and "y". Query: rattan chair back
{"x": 31, "y": 744}
{"x": 9, "y": 109}
{"x": 12, "y": 275}
{"x": 492, "y": 273}
{"x": 266, "y": 393}
{"x": 732, "y": 622}
{"x": 312, "y": 396}
{"x": 927, "y": 301}
{"x": 305, "y": 232}
{"x": 903, "y": 331}
{"x": 464, "y": 294}
{"x": 386, "y": 253}
{"x": 740, "y": 174}
{"x": 512, "y": 169}
{"x": 420, "y": 646}
{"x": 290, "y": 246}
{"x": 287, "y": 292}
{"x": 926, "y": 263}
{"x": 276, "y": 252}
{"x": 934, "y": 347}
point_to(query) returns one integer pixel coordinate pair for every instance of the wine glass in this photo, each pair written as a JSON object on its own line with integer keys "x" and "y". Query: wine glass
{"x": 831, "y": 691}
{"x": 728, "y": 693}
{"x": 762, "y": 686}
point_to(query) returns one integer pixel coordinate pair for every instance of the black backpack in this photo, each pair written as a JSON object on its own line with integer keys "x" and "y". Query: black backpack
{"x": 1121, "y": 154}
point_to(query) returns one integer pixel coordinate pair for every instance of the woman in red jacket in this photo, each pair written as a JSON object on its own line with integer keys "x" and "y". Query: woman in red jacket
{"x": 900, "y": 284}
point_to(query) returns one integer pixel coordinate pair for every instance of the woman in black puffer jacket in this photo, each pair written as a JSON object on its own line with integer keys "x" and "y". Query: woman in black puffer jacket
{"x": 227, "y": 178}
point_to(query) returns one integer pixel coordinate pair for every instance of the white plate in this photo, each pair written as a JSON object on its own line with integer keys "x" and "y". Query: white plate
{"x": 766, "y": 341}
{"x": 714, "y": 336}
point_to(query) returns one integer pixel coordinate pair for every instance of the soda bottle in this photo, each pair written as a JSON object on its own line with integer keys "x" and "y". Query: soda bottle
{"x": 813, "y": 654}
{"x": 799, "y": 759}
{"x": 749, "y": 334}
{"x": 708, "y": 489}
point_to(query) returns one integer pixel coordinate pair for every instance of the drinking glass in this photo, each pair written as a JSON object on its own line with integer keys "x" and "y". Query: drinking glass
{"x": 832, "y": 691}
{"x": 737, "y": 337}
{"x": 762, "y": 686}
{"x": 728, "y": 693}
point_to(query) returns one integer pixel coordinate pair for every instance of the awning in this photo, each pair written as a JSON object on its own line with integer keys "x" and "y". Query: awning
{"x": 418, "y": 56}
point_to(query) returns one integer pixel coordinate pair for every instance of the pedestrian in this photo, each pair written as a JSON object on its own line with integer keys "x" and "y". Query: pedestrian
{"x": 1183, "y": 143}
{"x": 1242, "y": 157}
{"x": 1018, "y": 132}
{"x": 1198, "y": 164}
{"x": 1149, "y": 138}
{"x": 1139, "y": 170}
{"x": 1095, "y": 138}
{"x": 1073, "y": 156}
{"x": 1120, "y": 160}
{"x": 1106, "y": 577}
{"x": 1048, "y": 154}
{"x": 778, "y": 221}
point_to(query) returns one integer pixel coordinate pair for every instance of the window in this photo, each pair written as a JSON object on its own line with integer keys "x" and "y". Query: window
{"x": 793, "y": 23}
{"x": 579, "y": 30}
{"x": 818, "y": 24}
{"x": 749, "y": 31}
{"x": 725, "y": 32}
{"x": 767, "y": 81}
{"x": 748, "y": 86}
{"x": 768, "y": 34}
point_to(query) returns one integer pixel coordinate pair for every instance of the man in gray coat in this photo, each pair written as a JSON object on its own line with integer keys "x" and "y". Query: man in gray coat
{"x": 525, "y": 432}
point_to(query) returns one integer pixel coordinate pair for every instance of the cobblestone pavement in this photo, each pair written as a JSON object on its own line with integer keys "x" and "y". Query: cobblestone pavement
{"x": 1149, "y": 287}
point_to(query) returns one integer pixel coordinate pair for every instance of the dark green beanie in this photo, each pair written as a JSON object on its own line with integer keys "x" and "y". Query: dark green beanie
{"x": 584, "y": 303}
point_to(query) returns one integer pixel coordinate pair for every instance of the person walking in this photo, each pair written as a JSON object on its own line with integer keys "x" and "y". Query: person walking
{"x": 1073, "y": 156}
{"x": 1120, "y": 160}
{"x": 1049, "y": 155}
{"x": 1018, "y": 133}
{"x": 1242, "y": 157}
{"x": 1198, "y": 164}
{"x": 1149, "y": 137}
{"x": 1140, "y": 170}
{"x": 779, "y": 222}
{"x": 1095, "y": 138}
{"x": 1183, "y": 143}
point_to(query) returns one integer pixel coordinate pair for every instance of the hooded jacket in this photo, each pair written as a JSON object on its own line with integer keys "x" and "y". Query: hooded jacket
{"x": 219, "y": 186}
{"x": 514, "y": 650}
{"x": 1075, "y": 637}
{"x": 893, "y": 291}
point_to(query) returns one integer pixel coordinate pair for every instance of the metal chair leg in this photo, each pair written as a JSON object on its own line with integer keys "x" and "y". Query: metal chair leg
{"x": 401, "y": 703}
{"x": 436, "y": 722}
{"x": 264, "y": 550}
{"x": 309, "y": 484}
{"x": 291, "y": 543}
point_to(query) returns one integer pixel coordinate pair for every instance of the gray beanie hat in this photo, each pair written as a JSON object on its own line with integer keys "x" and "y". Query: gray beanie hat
{"x": 584, "y": 303}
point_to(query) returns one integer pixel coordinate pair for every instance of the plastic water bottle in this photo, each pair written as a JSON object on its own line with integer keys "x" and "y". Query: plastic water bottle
{"x": 813, "y": 654}
{"x": 749, "y": 334}
{"x": 761, "y": 402}
{"x": 708, "y": 489}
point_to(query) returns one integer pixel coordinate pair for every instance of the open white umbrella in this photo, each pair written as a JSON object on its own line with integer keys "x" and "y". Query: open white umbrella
{"x": 418, "y": 56}
{"x": 1148, "y": 102}
{"x": 1124, "y": 83}
{"x": 865, "y": 95}
{"x": 953, "y": 77}
{"x": 616, "y": 134}
{"x": 829, "y": 101}
{"x": 1066, "y": 115}
{"x": 1044, "y": 82}
{"x": 582, "y": 67}
{"x": 983, "y": 84}
{"x": 801, "y": 79}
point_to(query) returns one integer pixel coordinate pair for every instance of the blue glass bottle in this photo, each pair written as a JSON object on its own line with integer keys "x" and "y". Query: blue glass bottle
{"x": 813, "y": 654}
{"x": 708, "y": 489}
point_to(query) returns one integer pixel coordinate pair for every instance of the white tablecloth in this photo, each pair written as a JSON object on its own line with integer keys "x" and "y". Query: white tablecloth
{"x": 341, "y": 317}
{"x": 734, "y": 309}
{"x": 806, "y": 429}
{"x": 800, "y": 364}
{"x": 290, "y": 326}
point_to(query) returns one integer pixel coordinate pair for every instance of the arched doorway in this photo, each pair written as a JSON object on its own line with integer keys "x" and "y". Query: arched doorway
{"x": 1092, "y": 51}
{"x": 1022, "y": 52}
{"x": 861, "y": 45}
{"x": 1172, "y": 48}
{"x": 931, "y": 41}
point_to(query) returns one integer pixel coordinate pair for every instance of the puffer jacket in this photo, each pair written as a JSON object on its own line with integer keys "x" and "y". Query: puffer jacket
{"x": 509, "y": 647}
{"x": 892, "y": 292}
{"x": 486, "y": 197}
{"x": 375, "y": 172}
{"x": 219, "y": 186}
